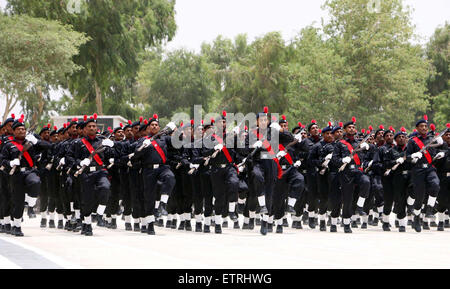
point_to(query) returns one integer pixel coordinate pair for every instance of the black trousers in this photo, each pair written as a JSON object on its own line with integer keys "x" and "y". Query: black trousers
{"x": 137, "y": 197}
{"x": 22, "y": 183}
{"x": 126, "y": 192}
{"x": 96, "y": 189}
{"x": 324, "y": 184}
{"x": 197, "y": 194}
{"x": 400, "y": 186}
{"x": 175, "y": 203}
{"x": 225, "y": 184}
{"x": 444, "y": 194}
{"x": 425, "y": 182}
{"x": 185, "y": 202}
{"x": 151, "y": 177}
{"x": 312, "y": 193}
{"x": 262, "y": 178}
{"x": 335, "y": 197}
{"x": 207, "y": 192}
{"x": 113, "y": 200}
{"x": 5, "y": 196}
{"x": 388, "y": 193}
{"x": 349, "y": 180}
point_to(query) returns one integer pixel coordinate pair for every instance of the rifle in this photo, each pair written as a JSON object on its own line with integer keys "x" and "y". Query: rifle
{"x": 356, "y": 150}
{"x": 325, "y": 165}
{"x": 292, "y": 143}
{"x": 50, "y": 164}
{"x": 166, "y": 130}
{"x": 91, "y": 156}
{"x": 429, "y": 145}
{"x": 26, "y": 147}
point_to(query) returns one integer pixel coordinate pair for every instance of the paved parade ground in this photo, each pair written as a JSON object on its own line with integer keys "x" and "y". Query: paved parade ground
{"x": 173, "y": 249}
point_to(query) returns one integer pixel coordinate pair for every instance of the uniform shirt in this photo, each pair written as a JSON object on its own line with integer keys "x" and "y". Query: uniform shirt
{"x": 318, "y": 153}
{"x": 11, "y": 152}
{"x": 149, "y": 155}
{"x": 78, "y": 151}
{"x": 412, "y": 147}
{"x": 341, "y": 151}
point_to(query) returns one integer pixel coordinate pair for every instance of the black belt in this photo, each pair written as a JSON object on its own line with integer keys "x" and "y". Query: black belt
{"x": 153, "y": 166}
{"x": 220, "y": 166}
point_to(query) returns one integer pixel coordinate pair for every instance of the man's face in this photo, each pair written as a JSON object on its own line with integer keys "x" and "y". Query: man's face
{"x": 154, "y": 127}
{"x": 199, "y": 132}
{"x": 401, "y": 140}
{"x": 314, "y": 131}
{"x": 73, "y": 130}
{"x": 389, "y": 137}
{"x": 79, "y": 131}
{"x": 371, "y": 139}
{"x": 338, "y": 134}
{"x": 8, "y": 128}
{"x": 45, "y": 135}
{"x": 54, "y": 138}
{"x": 328, "y": 137}
{"x": 350, "y": 130}
{"x": 91, "y": 129}
{"x": 135, "y": 131}
{"x": 446, "y": 137}
{"x": 380, "y": 136}
{"x": 118, "y": 136}
{"x": 304, "y": 134}
{"x": 19, "y": 133}
{"x": 284, "y": 127}
{"x": 128, "y": 133}
{"x": 422, "y": 128}
{"x": 262, "y": 122}
{"x": 2, "y": 131}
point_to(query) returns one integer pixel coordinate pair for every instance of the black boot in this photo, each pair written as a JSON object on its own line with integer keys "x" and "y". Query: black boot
{"x": 347, "y": 229}
{"x": 128, "y": 227}
{"x": 447, "y": 224}
{"x": 290, "y": 210}
{"x": 263, "y": 210}
{"x": 31, "y": 213}
{"x": 137, "y": 227}
{"x": 440, "y": 226}
{"x": 162, "y": 209}
{"x": 51, "y": 224}
{"x": 285, "y": 223}
{"x": 240, "y": 208}
{"x": 151, "y": 228}
{"x": 279, "y": 229}
{"x": 100, "y": 222}
{"x": 160, "y": 223}
{"x": 312, "y": 223}
{"x": 370, "y": 220}
{"x": 329, "y": 221}
{"x": 174, "y": 224}
{"x": 113, "y": 224}
{"x": 88, "y": 230}
{"x": 397, "y": 223}
{"x": 263, "y": 229}
{"x": 358, "y": 221}
{"x": 429, "y": 212}
{"x": 410, "y": 223}
{"x": 188, "y": 225}
{"x": 169, "y": 224}
{"x": 401, "y": 229}
{"x": 294, "y": 224}
{"x": 8, "y": 229}
{"x": 182, "y": 225}
{"x": 143, "y": 229}
{"x": 416, "y": 224}
{"x": 2, "y": 228}
{"x": 364, "y": 226}
{"x": 198, "y": 227}
{"x": 233, "y": 216}
{"x": 83, "y": 229}
{"x": 360, "y": 211}
{"x": 299, "y": 225}
{"x": 225, "y": 224}
{"x": 333, "y": 229}
{"x": 258, "y": 222}
{"x": 18, "y": 232}
{"x": 269, "y": 228}
{"x": 236, "y": 225}
{"x": 323, "y": 226}
{"x": 354, "y": 225}
{"x": 375, "y": 222}
{"x": 245, "y": 226}
{"x": 433, "y": 224}
{"x": 426, "y": 226}
{"x": 77, "y": 227}
{"x": 251, "y": 224}
{"x": 43, "y": 223}
{"x": 206, "y": 229}
{"x": 218, "y": 229}
{"x": 386, "y": 227}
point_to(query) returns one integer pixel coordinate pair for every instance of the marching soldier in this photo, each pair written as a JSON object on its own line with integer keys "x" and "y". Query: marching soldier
{"x": 443, "y": 170}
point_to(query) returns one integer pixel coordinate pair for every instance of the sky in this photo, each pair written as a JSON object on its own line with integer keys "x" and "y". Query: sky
{"x": 201, "y": 21}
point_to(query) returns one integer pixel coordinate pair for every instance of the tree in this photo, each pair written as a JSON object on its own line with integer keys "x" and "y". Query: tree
{"x": 438, "y": 52}
{"x": 387, "y": 70}
{"x": 119, "y": 31}
{"x": 36, "y": 54}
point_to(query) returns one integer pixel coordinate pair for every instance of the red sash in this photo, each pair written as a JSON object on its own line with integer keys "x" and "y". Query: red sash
{"x": 425, "y": 153}
{"x": 225, "y": 150}
{"x": 355, "y": 156}
{"x": 158, "y": 149}
{"x": 91, "y": 150}
{"x": 26, "y": 155}
{"x": 287, "y": 156}
{"x": 267, "y": 146}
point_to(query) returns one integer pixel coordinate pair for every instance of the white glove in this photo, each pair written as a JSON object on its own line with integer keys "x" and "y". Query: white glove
{"x": 297, "y": 164}
{"x": 86, "y": 162}
{"x": 281, "y": 154}
{"x": 147, "y": 142}
{"x": 14, "y": 162}
{"x": 328, "y": 157}
{"x": 62, "y": 161}
{"x": 171, "y": 125}
{"x": 257, "y": 144}
{"x": 192, "y": 166}
{"x": 440, "y": 141}
{"x": 129, "y": 164}
{"x": 346, "y": 160}
{"x": 111, "y": 160}
{"x": 275, "y": 126}
{"x": 370, "y": 164}
{"x": 400, "y": 160}
{"x": 236, "y": 130}
{"x": 218, "y": 147}
{"x": 32, "y": 139}
{"x": 440, "y": 155}
{"x": 417, "y": 155}
{"x": 108, "y": 143}
{"x": 130, "y": 156}
{"x": 241, "y": 169}
{"x": 298, "y": 137}
{"x": 364, "y": 146}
